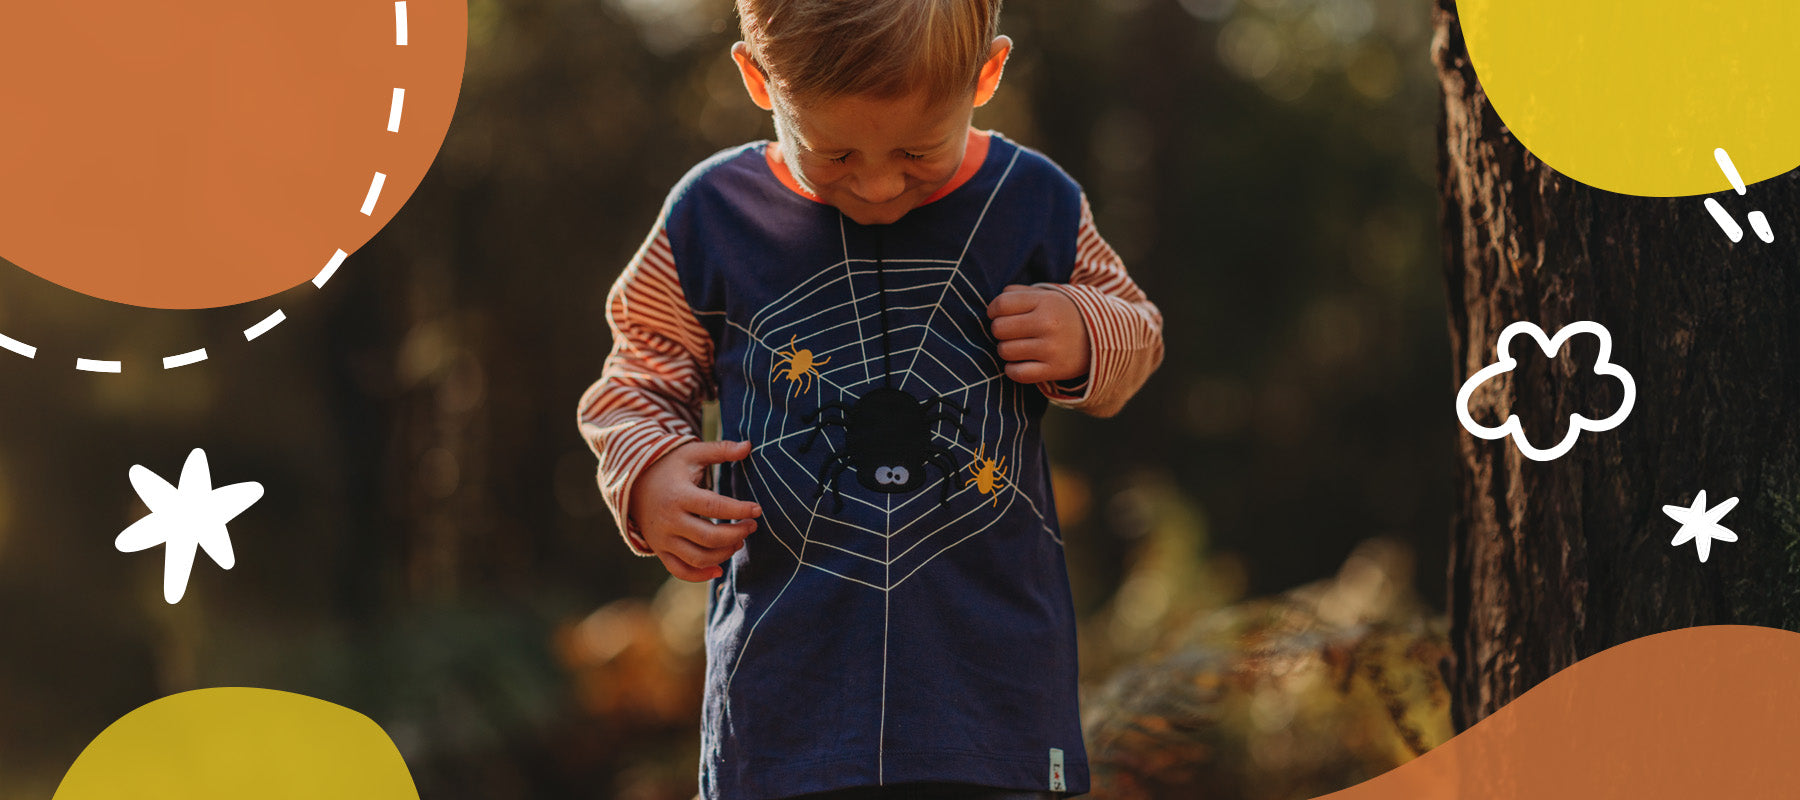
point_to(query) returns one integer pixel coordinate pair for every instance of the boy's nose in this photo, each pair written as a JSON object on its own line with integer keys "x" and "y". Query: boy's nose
{"x": 879, "y": 188}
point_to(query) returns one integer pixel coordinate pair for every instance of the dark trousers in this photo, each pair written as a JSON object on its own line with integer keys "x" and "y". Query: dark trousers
{"x": 930, "y": 791}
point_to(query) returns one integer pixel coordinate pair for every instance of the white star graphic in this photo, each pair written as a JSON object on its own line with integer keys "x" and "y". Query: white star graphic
{"x": 1701, "y": 524}
{"x": 185, "y": 518}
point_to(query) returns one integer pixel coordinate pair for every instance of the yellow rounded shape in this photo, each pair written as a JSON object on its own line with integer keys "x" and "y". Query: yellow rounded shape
{"x": 235, "y": 743}
{"x": 1633, "y": 96}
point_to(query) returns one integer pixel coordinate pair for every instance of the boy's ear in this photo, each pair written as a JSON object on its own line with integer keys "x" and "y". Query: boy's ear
{"x": 755, "y": 82}
{"x": 989, "y": 79}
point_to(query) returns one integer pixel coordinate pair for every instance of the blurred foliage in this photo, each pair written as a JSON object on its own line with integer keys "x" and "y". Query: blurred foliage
{"x": 1283, "y": 698}
{"x": 432, "y": 551}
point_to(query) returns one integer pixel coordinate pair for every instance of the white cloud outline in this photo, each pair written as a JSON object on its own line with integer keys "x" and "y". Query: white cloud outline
{"x": 1550, "y": 345}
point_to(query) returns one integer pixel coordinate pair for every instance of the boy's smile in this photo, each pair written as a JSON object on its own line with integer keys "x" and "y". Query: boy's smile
{"x": 873, "y": 158}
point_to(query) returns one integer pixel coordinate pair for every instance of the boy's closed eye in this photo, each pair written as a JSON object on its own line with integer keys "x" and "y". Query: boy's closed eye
{"x": 907, "y": 154}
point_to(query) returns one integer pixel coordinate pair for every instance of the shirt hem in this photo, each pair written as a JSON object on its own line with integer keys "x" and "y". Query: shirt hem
{"x": 791, "y": 778}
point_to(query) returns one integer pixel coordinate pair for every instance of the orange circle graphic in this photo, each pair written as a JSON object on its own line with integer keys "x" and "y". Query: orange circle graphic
{"x": 202, "y": 153}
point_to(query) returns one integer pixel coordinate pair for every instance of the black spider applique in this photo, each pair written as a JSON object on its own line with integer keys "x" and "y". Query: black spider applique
{"x": 887, "y": 440}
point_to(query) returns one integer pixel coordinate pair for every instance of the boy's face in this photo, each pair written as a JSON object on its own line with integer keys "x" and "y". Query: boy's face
{"x": 873, "y": 158}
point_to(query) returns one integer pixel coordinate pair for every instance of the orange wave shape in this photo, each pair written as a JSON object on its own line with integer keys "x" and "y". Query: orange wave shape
{"x": 200, "y": 153}
{"x": 1709, "y": 712}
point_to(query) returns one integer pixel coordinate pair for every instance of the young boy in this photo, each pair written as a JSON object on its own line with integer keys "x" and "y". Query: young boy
{"x": 883, "y": 303}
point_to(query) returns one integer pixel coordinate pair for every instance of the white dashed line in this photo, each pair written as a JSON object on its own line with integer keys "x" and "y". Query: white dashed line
{"x": 394, "y": 110}
{"x": 263, "y": 327}
{"x": 368, "y": 206}
{"x": 190, "y": 357}
{"x": 17, "y": 346}
{"x": 1726, "y": 223}
{"x": 331, "y": 268}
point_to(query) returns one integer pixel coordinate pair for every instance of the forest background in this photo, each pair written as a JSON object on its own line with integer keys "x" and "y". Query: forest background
{"x": 1257, "y": 544}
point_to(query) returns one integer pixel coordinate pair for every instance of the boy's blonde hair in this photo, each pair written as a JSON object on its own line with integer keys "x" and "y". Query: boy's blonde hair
{"x": 822, "y": 49}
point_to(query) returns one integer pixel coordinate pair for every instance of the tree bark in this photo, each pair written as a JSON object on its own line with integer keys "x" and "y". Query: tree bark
{"x": 1554, "y": 561}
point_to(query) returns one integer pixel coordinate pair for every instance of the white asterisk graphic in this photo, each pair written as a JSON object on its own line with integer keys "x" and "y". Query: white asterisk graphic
{"x": 184, "y": 519}
{"x": 1701, "y": 524}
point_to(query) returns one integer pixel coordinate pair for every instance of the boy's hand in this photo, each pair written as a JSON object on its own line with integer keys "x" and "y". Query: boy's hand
{"x": 1042, "y": 337}
{"x": 676, "y": 516}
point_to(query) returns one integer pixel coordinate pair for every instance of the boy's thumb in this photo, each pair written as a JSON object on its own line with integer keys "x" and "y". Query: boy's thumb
{"x": 721, "y": 452}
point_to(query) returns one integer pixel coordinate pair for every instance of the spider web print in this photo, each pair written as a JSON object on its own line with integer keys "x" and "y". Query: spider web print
{"x": 941, "y": 348}
{"x": 936, "y": 344}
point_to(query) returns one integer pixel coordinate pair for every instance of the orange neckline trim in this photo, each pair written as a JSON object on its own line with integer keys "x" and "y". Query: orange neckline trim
{"x": 974, "y": 155}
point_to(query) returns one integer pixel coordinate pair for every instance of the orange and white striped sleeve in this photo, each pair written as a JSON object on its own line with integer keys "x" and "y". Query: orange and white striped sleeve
{"x": 1124, "y": 327}
{"x": 647, "y": 401}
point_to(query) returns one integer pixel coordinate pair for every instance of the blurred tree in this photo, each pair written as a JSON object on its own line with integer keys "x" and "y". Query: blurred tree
{"x": 1552, "y": 562}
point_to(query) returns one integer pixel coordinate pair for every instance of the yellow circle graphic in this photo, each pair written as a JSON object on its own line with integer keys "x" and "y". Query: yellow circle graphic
{"x": 1633, "y": 96}
{"x": 235, "y": 743}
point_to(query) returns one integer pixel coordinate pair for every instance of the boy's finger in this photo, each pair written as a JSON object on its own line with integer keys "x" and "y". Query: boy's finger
{"x": 699, "y": 555}
{"x": 1018, "y": 326}
{"x": 1020, "y": 301}
{"x": 718, "y": 536}
{"x": 682, "y": 570}
{"x": 713, "y": 505}
{"x": 718, "y": 452}
{"x": 1028, "y": 371}
{"x": 1033, "y": 349}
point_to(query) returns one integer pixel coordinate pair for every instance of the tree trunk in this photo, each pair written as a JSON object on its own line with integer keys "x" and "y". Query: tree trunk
{"x": 1554, "y": 561}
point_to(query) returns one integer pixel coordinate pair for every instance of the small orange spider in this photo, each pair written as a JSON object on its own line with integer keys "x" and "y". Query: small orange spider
{"x": 799, "y": 365}
{"x": 990, "y": 476}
